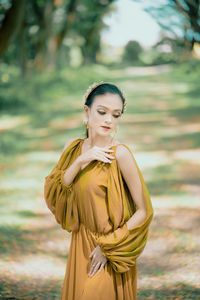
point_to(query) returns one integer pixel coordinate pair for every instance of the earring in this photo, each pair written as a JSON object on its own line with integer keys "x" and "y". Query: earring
{"x": 85, "y": 121}
{"x": 115, "y": 132}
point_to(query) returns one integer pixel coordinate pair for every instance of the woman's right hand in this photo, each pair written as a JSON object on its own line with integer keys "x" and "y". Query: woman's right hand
{"x": 96, "y": 153}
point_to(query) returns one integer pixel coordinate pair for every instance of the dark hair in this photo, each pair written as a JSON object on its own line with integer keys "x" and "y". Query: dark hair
{"x": 103, "y": 89}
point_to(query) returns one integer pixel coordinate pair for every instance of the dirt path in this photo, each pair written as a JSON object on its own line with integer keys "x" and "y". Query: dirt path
{"x": 167, "y": 269}
{"x": 163, "y": 130}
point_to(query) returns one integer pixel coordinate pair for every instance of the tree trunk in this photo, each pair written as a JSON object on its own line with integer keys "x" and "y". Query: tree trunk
{"x": 42, "y": 56}
{"x": 22, "y": 51}
{"x": 11, "y": 24}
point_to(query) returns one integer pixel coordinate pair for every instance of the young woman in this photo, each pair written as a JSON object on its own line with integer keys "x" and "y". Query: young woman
{"x": 97, "y": 192}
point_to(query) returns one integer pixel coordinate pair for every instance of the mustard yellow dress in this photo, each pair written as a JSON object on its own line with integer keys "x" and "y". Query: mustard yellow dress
{"x": 95, "y": 208}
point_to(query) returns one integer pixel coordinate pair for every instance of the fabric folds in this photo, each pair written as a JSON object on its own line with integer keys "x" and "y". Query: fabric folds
{"x": 59, "y": 197}
{"x": 95, "y": 208}
{"x": 123, "y": 246}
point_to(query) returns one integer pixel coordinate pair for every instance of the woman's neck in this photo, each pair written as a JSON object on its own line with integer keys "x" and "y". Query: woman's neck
{"x": 100, "y": 142}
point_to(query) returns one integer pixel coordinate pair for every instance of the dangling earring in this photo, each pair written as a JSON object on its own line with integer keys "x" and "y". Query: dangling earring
{"x": 115, "y": 132}
{"x": 85, "y": 121}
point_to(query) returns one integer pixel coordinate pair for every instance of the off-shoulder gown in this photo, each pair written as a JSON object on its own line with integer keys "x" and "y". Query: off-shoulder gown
{"x": 95, "y": 208}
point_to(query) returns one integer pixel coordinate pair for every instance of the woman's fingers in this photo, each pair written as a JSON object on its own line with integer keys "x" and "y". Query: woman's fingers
{"x": 107, "y": 150}
{"x": 94, "y": 269}
{"x": 101, "y": 267}
{"x": 92, "y": 265}
{"x": 110, "y": 157}
{"x": 95, "y": 264}
{"x": 106, "y": 157}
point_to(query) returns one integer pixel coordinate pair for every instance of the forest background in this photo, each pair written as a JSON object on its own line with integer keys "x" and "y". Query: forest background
{"x": 50, "y": 52}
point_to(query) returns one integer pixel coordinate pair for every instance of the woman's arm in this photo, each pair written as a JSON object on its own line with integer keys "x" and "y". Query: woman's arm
{"x": 71, "y": 172}
{"x": 131, "y": 176}
{"x": 59, "y": 197}
{"x": 125, "y": 244}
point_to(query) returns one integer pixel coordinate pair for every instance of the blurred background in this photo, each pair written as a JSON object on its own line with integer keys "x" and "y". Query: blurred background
{"x": 50, "y": 52}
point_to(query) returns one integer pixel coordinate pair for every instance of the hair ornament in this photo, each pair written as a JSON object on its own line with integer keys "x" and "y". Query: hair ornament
{"x": 94, "y": 85}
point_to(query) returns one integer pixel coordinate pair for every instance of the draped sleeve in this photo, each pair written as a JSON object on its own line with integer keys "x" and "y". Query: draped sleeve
{"x": 60, "y": 198}
{"x": 123, "y": 246}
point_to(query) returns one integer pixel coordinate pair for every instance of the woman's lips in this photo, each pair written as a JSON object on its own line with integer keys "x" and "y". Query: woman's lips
{"x": 106, "y": 128}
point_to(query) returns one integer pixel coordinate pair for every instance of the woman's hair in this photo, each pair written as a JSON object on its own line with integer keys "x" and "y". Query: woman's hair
{"x": 102, "y": 90}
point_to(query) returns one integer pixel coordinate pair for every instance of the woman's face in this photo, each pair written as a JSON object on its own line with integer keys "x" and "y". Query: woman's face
{"x": 105, "y": 111}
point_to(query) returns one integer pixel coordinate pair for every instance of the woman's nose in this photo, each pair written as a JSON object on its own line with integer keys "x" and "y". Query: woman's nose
{"x": 109, "y": 118}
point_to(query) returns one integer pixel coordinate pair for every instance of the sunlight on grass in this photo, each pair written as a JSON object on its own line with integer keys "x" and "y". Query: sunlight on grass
{"x": 36, "y": 266}
{"x": 9, "y": 122}
{"x": 37, "y": 157}
{"x": 65, "y": 123}
{"x": 190, "y": 188}
{"x": 178, "y": 131}
{"x": 144, "y": 71}
{"x": 147, "y": 87}
{"x": 180, "y": 87}
{"x": 145, "y": 118}
{"x": 190, "y": 155}
{"x": 161, "y": 127}
{"x": 152, "y": 159}
{"x": 175, "y": 201}
{"x": 36, "y": 132}
{"x": 19, "y": 183}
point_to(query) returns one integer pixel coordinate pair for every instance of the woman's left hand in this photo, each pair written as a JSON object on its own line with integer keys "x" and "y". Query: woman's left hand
{"x": 98, "y": 261}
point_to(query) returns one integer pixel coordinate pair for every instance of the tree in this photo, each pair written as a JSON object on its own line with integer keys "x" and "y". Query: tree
{"x": 38, "y": 30}
{"x": 177, "y": 17}
{"x": 11, "y": 23}
{"x": 88, "y": 25}
{"x": 132, "y": 51}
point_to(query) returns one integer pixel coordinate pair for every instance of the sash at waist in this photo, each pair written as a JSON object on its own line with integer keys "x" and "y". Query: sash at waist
{"x": 95, "y": 234}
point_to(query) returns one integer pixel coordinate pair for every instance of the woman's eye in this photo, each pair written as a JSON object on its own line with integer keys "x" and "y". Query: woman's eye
{"x": 101, "y": 112}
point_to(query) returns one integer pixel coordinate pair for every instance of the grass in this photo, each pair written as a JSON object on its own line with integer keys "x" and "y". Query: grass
{"x": 161, "y": 126}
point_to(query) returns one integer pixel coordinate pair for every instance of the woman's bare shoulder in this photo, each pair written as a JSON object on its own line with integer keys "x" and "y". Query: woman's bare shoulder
{"x": 126, "y": 160}
{"x": 122, "y": 151}
{"x": 69, "y": 141}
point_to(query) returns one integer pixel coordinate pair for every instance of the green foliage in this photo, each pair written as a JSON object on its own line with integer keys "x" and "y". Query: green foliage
{"x": 180, "y": 18}
{"x": 132, "y": 52}
{"x": 50, "y": 30}
{"x": 161, "y": 123}
{"x": 17, "y": 94}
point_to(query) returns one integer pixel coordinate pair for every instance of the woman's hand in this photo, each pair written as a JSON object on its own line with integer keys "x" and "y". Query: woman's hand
{"x": 96, "y": 153}
{"x": 98, "y": 261}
